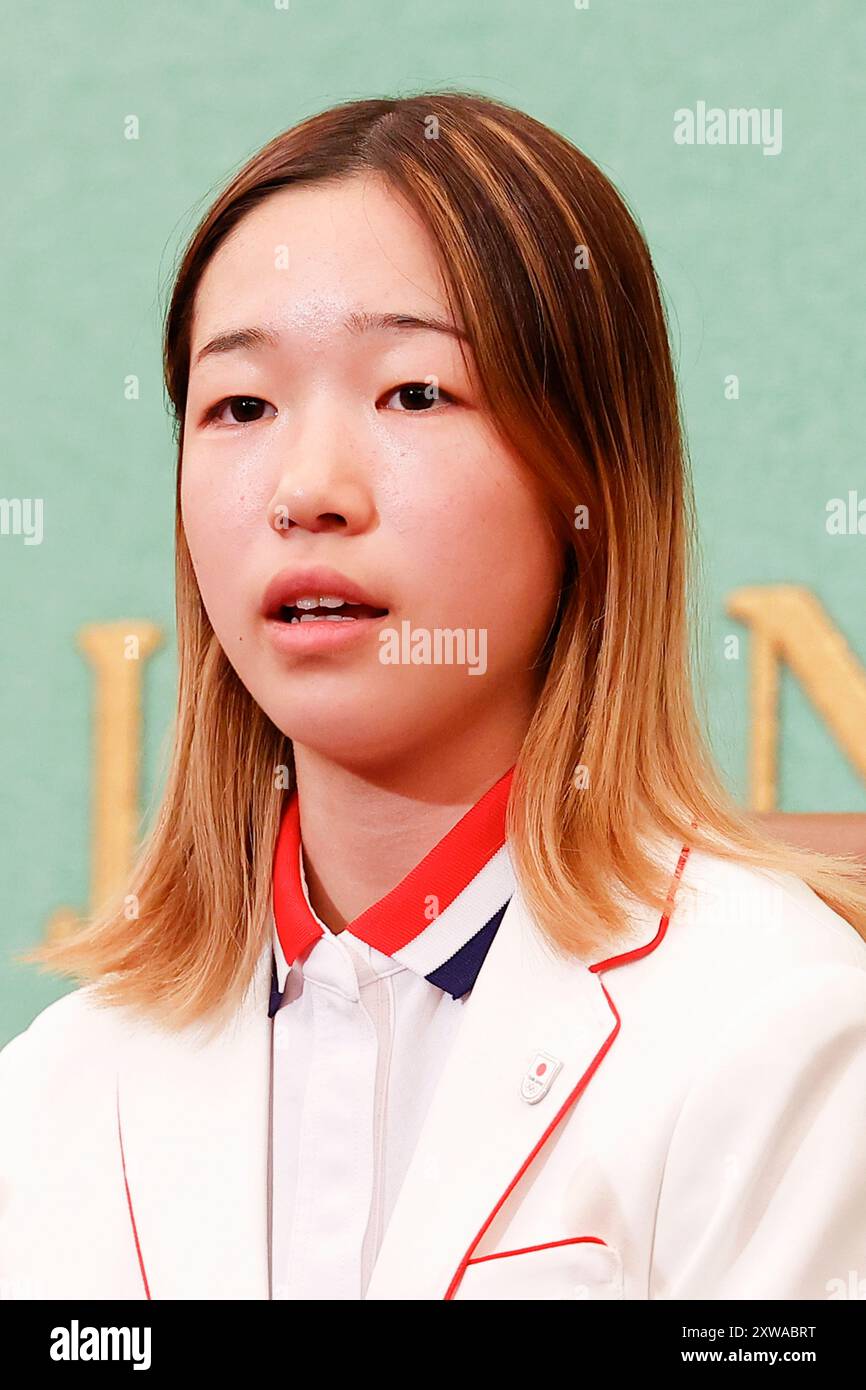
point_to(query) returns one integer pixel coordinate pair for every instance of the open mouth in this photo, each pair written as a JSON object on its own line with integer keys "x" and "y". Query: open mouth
{"x": 319, "y": 594}
{"x": 327, "y": 610}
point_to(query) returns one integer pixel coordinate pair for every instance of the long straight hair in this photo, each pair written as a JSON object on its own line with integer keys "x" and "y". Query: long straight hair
{"x": 546, "y": 269}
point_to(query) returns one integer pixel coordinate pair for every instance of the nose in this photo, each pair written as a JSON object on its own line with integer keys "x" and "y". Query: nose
{"x": 322, "y": 486}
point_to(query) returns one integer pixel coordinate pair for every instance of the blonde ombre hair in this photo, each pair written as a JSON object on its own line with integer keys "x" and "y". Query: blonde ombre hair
{"x": 551, "y": 278}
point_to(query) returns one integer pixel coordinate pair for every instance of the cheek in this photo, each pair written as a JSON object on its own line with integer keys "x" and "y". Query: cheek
{"x": 222, "y": 505}
{"x": 224, "y": 493}
{"x": 476, "y": 544}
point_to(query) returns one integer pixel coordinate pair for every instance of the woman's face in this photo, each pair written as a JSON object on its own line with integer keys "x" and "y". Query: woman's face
{"x": 320, "y": 462}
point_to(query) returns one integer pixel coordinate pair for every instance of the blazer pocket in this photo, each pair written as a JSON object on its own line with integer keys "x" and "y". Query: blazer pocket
{"x": 580, "y": 1267}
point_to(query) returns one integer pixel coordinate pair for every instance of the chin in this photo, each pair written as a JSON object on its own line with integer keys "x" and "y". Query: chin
{"x": 346, "y": 729}
{"x": 358, "y": 748}
{"x": 363, "y": 731}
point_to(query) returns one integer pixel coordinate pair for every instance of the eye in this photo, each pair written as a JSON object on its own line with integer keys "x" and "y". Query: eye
{"x": 244, "y": 410}
{"x": 415, "y": 397}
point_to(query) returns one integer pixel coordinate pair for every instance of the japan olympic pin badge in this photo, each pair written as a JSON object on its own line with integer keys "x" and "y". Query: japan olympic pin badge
{"x": 539, "y": 1076}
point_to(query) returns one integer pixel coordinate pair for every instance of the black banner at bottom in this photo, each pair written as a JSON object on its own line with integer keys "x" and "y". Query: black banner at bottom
{"x": 266, "y": 1338}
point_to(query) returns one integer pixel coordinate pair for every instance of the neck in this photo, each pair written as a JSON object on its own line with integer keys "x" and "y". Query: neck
{"x": 363, "y": 830}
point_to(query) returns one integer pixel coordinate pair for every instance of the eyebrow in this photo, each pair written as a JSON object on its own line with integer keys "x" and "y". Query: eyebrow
{"x": 262, "y": 337}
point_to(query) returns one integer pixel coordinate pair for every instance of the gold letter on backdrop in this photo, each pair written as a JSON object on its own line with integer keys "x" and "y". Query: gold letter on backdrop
{"x": 789, "y": 624}
{"x": 117, "y": 652}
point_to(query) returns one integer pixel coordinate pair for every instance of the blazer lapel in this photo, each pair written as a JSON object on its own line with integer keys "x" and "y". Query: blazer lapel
{"x": 480, "y": 1133}
{"x": 193, "y": 1132}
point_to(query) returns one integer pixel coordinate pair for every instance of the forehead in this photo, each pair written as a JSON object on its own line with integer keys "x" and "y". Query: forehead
{"x": 311, "y": 253}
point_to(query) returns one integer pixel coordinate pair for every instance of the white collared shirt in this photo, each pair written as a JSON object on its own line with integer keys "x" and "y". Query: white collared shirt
{"x": 359, "y": 1045}
{"x": 363, "y": 1023}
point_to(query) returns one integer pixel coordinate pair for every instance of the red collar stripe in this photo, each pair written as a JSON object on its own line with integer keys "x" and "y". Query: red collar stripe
{"x": 417, "y": 901}
{"x": 297, "y": 928}
{"x": 440, "y": 876}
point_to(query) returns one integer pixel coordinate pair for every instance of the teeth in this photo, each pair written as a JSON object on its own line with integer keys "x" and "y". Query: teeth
{"x": 323, "y": 618}
{"x": 323, "y": 601}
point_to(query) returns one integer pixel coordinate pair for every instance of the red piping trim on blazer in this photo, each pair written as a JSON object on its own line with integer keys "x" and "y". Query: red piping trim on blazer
{"x": 528, "y": 1249}
{"x": 611, "y": 963}
{"x": 129, "y": 1200}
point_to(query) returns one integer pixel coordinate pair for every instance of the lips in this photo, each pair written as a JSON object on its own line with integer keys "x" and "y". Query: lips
{"x": 296, "y": 596}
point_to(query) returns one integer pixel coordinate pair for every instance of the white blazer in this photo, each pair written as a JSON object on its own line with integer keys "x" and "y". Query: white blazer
{"x": 703, "y": 1137}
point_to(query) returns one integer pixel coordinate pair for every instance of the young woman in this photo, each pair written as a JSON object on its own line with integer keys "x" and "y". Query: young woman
{"x": 454, "y": 973}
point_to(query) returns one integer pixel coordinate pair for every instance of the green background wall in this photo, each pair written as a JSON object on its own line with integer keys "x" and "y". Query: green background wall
{"x": 761, "y": 259}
